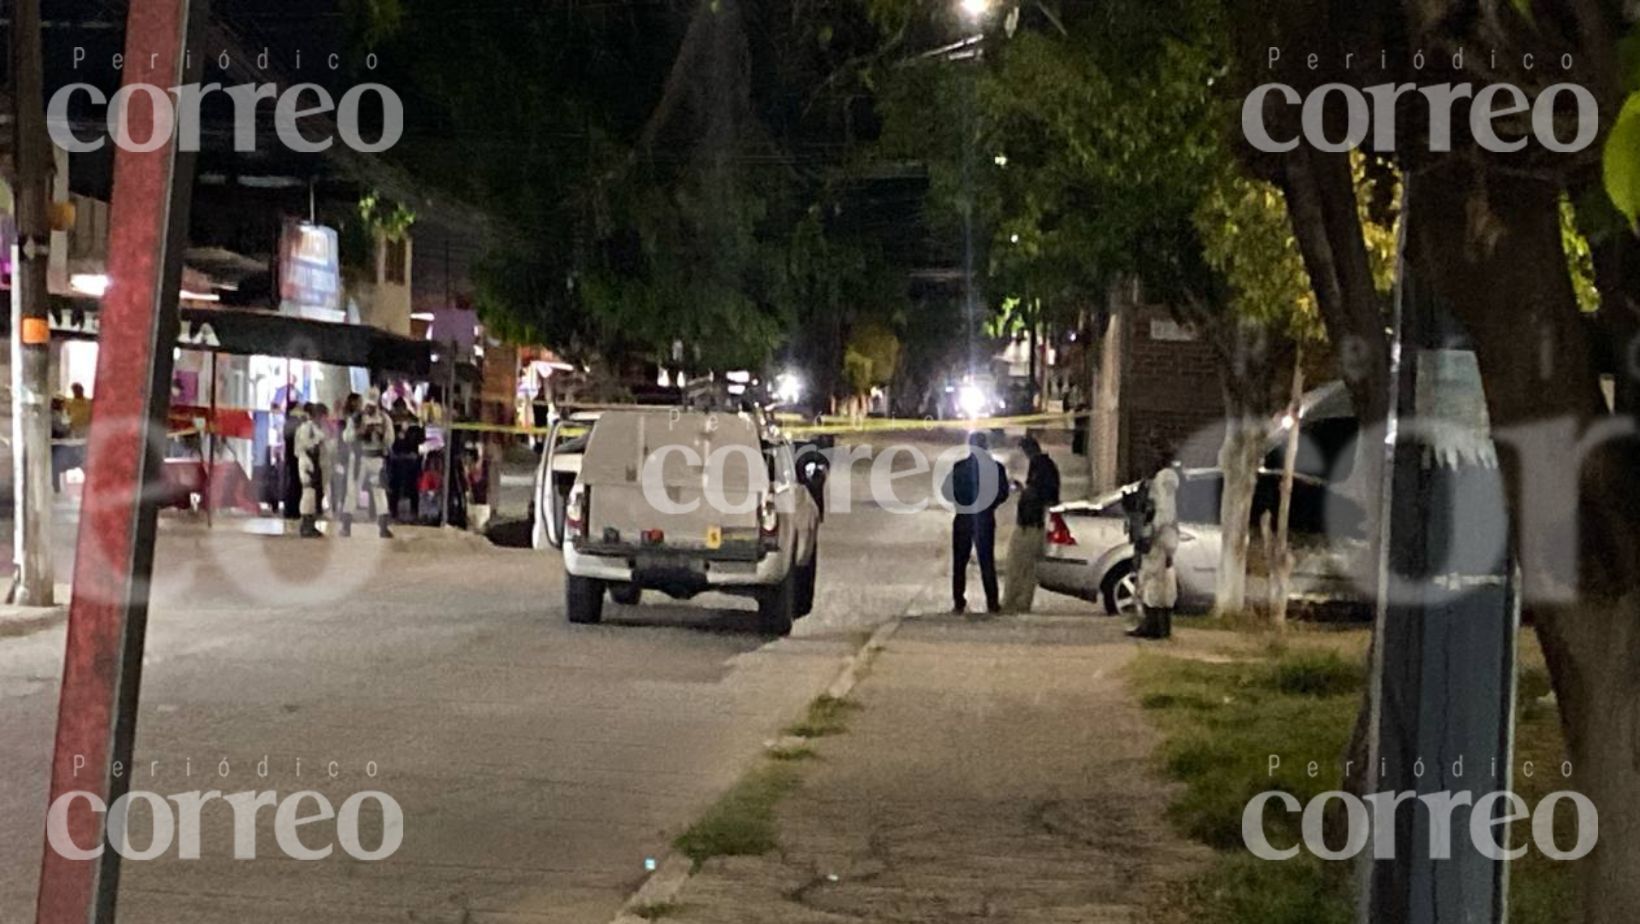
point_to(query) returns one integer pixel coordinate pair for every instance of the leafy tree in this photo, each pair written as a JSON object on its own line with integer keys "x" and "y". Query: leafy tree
{"x": 1095, "y": 146}
{"x": 1247, "y": 233}
{"x": 654, "y": 173}
{"x": 872, "y": 358}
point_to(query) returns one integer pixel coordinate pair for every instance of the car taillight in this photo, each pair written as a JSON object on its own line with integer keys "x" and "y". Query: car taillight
{"x": 575, "y": 512}
{"x": 1058, "y": 532}
{"x": 768, "y": 518}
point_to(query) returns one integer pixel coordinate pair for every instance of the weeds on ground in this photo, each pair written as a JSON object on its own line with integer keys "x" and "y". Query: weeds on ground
{"x": 1223, "y": 721}
{"x": 1540, "y": 889}
{"x": 827, "y": 716}
{"x": 654, "y": 911}
{"x": 742, "y": 823}
{"x": 792, "y": 754}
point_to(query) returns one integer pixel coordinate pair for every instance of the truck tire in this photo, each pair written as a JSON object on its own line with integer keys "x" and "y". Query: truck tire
{"x": 806, "y": 577}
{"x": 626, "y": 594}
{"x": 583, "y": 599}
{"x": 776, "y": 605}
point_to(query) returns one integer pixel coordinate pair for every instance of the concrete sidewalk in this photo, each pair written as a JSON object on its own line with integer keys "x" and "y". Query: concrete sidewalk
{"x": 997, "y": 771}
{"x": 25, "y": 620}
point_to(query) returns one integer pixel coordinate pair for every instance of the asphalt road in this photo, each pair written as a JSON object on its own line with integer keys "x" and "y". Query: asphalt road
{"x": 538, "y": 764}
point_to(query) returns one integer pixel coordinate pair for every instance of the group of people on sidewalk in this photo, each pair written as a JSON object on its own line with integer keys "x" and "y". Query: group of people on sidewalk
{"x": 978, "y": 485}
{"x": 367, "y": 450}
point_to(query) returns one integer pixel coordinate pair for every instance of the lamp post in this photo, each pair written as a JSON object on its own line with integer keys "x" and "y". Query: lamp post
{"x": 973, "y": 11}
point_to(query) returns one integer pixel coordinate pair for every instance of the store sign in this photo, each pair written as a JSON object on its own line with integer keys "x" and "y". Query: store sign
{"x": 248, "y": 332}
{"x": 75, "y": 323}
{"x": 310, "y": 271}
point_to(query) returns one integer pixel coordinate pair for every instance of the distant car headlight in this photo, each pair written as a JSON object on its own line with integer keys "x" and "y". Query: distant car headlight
{"x": 788, "y": 388}
{"x": 973, "y": 401}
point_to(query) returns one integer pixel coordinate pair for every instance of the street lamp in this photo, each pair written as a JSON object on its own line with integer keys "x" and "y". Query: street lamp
{"x": 975, "y": 9}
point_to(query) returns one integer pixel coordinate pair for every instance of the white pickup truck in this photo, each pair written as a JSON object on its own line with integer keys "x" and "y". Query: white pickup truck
{"x": 679, "y": 501}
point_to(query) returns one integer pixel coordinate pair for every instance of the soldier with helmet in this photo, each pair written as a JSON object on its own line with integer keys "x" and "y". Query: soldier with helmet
{"x": 312, "y": 451}
{"x": 369, "y": 436}
{"x": 1154, "y": 527}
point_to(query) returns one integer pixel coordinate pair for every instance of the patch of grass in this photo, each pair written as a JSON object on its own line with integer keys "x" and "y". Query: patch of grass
{"x": 1316, "y": 674}
{"x": 1242, "y": 888}
{"x": 827, "y": 716}
{"x": 1225, "y": 720}
{"x": 1221, "y": 722}
{"x": 742, "y": 823}
{"x": 654, "y": 911}
{"x": 1532, "y": 686}
{"x": 792, "y": 754}
{"x": 1542, "y": 890}
{"x": 1190, "y": 699}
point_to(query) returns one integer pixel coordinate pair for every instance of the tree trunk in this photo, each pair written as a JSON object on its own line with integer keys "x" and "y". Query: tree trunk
{"x": 1244, "y": 436}
{"x": 1492, "y": 247}
{"x": 1321, "y": 198}
{"x": 1281, "y": 553}
{"x": 1247, "y": 372}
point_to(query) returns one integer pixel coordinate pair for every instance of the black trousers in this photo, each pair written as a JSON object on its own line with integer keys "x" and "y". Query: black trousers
{"x": 974, "y": 533}
{"x": 404, "y": 483}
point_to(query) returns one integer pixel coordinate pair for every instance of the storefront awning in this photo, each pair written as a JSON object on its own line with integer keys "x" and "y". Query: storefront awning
{"x": 254, "y": 332}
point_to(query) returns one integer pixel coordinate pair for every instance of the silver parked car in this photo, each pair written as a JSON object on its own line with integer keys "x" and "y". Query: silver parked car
{"x": 1087, "y": 552}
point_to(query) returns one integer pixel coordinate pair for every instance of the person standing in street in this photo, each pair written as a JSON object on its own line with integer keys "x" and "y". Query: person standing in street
{"x": 1041, "y": 492}
{"x": 369, "y": 435}
{"x": 404, "y": 462}
{"x": 78, "y": 411}
{"x": 78, "y": 408}
{"x": 1158, "y": 543}
{"x": 62, "y": 455}
{"x": 290, "y": 483}
{"x": 312, "y": 458}
{"x": 341, "y": 468}
{"x": 976, "y": 487}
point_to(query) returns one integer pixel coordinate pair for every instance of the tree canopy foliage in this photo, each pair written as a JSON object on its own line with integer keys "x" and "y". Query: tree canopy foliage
{"x": 657, "y": 174}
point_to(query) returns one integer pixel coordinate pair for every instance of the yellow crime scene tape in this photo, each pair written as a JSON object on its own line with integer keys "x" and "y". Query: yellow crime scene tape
{"x": 837, "y": 426}
{"x": 799, "y": 426}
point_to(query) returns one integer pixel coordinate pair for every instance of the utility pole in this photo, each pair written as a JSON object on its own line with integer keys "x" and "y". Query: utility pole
{"x": 30, "y": 326}
{"x": 1443, "y": 692}
{"x": 108, "y": 617}
{"x": 449, "y": 398}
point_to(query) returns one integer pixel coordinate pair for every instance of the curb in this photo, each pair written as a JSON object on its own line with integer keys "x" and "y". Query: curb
{"x": 16, "y": 621}
{"x": 851, "y": 673}
{"x": 663, "y": 885}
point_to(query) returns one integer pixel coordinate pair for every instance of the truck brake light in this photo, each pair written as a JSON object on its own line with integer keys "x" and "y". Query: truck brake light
{"x": 768, "y": 518}
{"x": 575, "y": 512}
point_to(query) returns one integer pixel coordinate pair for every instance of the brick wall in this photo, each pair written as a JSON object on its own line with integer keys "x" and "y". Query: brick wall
{"x": 1171, "y": 393}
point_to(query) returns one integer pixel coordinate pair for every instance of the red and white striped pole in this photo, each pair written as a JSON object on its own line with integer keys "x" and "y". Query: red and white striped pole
{"x": 102, "y": 670}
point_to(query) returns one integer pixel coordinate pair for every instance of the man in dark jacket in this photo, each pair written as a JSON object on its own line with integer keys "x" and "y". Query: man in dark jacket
{"x": 404, "y": 462}
{"x": 1040, "y": 493}
{"x": 977, "y": 486}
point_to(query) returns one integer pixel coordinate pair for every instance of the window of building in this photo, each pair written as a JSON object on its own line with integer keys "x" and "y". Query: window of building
{"x": 397, "y": 258}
